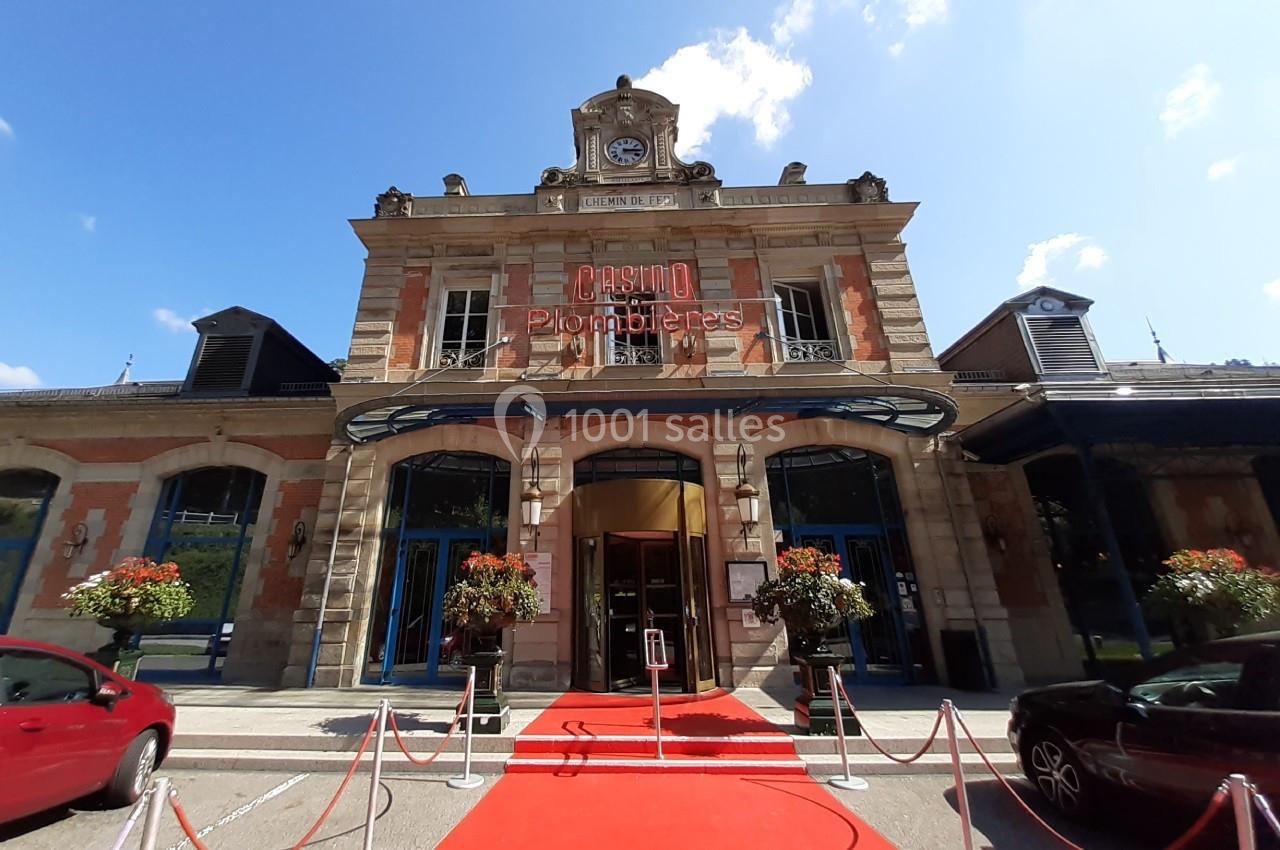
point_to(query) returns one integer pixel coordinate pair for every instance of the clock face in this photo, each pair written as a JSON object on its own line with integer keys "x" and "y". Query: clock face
{"x": 626, "y": 150}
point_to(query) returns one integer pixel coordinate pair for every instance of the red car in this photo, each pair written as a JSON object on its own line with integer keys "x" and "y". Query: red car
{"x": 70, "y": 727}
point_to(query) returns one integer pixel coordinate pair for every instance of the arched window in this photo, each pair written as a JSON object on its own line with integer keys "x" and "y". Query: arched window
{"x": 1266, "y": 468}
{"x": 845, "y": 501}
{"x": 636, "y": 463}
{"x": 204, "y": 522}
{"x": 24, "y": 501}
{"x": 441, "y": 507}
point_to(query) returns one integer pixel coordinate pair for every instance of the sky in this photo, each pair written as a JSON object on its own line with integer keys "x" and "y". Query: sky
{"x": 159, "y": 161}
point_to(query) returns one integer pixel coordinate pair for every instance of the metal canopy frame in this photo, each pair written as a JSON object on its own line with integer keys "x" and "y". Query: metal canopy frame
{"x": 913, "y": 411}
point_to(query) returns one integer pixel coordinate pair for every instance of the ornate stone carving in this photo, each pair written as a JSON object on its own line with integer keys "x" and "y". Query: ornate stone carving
{"x": 710, "y": 196}
{"x": 869, "y": 189}
{"x": 559, "y": 177}
{"x": 392, "y": 204}
{"x": 555, "y": 202}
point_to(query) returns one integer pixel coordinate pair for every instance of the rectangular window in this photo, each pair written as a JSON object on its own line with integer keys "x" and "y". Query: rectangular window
{"x": 634, "y": 340}
{"x": 802, "y": 318}
{"x": 464, "y": 328}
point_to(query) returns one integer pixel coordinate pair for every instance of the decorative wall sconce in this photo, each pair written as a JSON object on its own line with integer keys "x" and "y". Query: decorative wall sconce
{"x": 577, "y": 346}
{"x": 991, "y": 531}
{"x": 75, "y": 544}
{"x": 748, "y": 497}
{"x": 531, "y": 499}
{"x": 689, "y": 345}
{"x": 298, "y": 539}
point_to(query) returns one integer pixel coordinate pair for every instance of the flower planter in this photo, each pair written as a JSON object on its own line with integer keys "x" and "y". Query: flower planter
{"x": 814, "y": 712}
{"x": 117, "y": 653}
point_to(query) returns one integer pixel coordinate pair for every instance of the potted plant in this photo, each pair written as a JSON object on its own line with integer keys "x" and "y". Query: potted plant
{"x": 1213, "y": 593}
{"x": 811, "y": 597}
{"x": 135, "y": 593}
{"x": 491, "y": 592}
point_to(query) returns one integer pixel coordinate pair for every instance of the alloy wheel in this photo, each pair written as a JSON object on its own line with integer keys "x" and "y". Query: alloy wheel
{"x": 146, "y": 764}
{"x": 1056, "y": 776}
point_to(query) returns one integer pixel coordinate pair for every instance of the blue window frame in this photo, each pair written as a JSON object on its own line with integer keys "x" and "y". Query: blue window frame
{"x": 845, "y": 501}
{"x": 204, "y": 522}
{"x": 24, "y": 502}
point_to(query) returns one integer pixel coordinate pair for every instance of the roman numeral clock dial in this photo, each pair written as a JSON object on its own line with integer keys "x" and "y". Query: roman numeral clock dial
{"x": 626, "y": 150}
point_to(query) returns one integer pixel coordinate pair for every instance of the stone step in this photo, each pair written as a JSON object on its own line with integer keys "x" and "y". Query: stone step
{"x": 645, "y": 745}
{"x": 317, "y": 761}
{"x": 674, "y": 763}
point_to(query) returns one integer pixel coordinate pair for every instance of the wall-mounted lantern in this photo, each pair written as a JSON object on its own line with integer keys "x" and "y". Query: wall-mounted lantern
{"x": 75, "y": 544}
{"x": 531, "y": 500}
{"x": 748, "y": 497}
{"x": 577, "y": 346}
{"x": 689, "y": 345}
{"x": 298, "y": 539}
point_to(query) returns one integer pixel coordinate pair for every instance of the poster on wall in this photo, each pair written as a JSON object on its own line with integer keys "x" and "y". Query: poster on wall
{"x": 744, "y": 578}
{"x": 540, "y": 563}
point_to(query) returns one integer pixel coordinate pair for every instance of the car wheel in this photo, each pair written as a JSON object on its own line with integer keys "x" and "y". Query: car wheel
{"x": 1053, "y": 768}
{"x": 133, "y": 773}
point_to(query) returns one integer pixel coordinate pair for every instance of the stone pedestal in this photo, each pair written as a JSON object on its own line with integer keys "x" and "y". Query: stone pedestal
{"x": 814, "y": 710}
{"x": 492, "y": 710}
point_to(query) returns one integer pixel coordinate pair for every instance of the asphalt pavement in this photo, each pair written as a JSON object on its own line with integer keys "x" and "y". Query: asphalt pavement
{"x": 271, "y": 811}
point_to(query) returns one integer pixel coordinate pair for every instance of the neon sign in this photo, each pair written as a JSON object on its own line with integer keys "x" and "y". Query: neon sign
{"x": 611, "y": 281}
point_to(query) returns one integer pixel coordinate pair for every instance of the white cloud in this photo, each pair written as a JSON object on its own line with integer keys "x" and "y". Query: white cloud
{"x": 1042, "y": 255}
{"x": 1271, "y": 290}
{"x": 869, "y": 14}
{"x": 17, "y": 377}
{"x": 917, "y": 13}
{"x": 739, "y": 78}
{"x": 172, "y": 321}
{"x": 6, "y": 129}
{"x": 1223, "y": 168}
{"x": 89, "y": 223}
{"x": 1189, "y": 102}
{"x": 895, "y": 49}
{"x": 1091, "y": 257}
{"x": 792, "y": 20}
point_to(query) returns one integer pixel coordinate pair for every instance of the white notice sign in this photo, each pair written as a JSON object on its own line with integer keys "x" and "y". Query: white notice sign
{"x": 627, "y": 201}
{"x": 540, "y": 563}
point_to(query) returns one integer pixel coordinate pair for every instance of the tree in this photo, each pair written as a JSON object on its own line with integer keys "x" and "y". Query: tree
{"x": 1237, "y": 361}
{"x": 338, "y": 364}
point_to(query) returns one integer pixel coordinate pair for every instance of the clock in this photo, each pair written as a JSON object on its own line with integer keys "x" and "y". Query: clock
{"x": 626, "y": 150}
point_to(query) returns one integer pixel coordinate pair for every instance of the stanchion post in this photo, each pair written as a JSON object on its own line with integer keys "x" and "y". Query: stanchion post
{"x": 848, "y": 781}
{"x": 657, "y": 711}
{"x": 375, "y": 780}
{"x": 1243, "y": 806}
{"x": 466, "y": 780}
{"x": 155, "y": 806}
{"x": 957, "y": 771}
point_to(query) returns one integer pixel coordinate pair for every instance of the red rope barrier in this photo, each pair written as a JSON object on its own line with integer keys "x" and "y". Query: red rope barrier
{"x": 453, "y": 727}
{"x": 184, "y": 822}
{"x": 1220, "y": 798}
{"x": 346, "y": 780}
{"x": 933, "y": 734}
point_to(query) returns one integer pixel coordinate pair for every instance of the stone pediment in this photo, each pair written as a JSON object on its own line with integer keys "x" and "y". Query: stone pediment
{"x": 627, "y": 136}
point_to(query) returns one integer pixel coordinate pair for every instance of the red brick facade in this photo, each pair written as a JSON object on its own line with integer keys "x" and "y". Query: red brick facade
{"x": 115, "y": 500}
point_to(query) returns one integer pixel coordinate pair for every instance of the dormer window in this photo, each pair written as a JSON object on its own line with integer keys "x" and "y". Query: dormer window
{"x": 464, "y": 328}
{"x": 802, "y": 319}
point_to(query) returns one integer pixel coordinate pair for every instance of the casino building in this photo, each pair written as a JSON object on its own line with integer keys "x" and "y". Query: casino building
{"x": 646, "y": 381}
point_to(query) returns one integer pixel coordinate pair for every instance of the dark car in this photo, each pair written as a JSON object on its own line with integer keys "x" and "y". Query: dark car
{"x": 70, "y": 727}
{"x": 1172, "y": 730}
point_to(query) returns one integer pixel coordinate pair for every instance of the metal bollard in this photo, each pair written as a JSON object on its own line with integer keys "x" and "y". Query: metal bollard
{"x": 848, "y": 782}
{"x": 138, "y": 808}
{"x": 155, "y": 806}
{"x": 1243, "y": 806}
{"x": 466, "y": 780}
{"x": 957, "y": 771}
{"x": 374, "y": 781}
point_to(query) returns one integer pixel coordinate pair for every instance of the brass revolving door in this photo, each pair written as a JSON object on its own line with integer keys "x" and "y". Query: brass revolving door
{"x": 640, "y": 552}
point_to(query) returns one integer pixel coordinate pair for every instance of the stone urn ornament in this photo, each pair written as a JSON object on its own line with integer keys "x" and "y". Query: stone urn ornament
{"x": 812, "y": 598}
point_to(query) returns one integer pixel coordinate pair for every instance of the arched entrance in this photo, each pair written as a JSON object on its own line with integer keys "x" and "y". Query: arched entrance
{"x": 639, "y": 524}
{"x": 204, "y": 522}
{"x": 24, "y": 501}
{"x": 441, "y": 507}
{"x": 845, "y": 501}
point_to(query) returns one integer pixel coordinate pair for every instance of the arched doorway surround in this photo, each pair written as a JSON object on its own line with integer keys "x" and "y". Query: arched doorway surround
{"x": 25, "y": 495}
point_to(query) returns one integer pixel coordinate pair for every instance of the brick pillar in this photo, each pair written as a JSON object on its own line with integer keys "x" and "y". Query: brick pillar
{"x": 715, "y": 282}
{"x": 895, "y": 295}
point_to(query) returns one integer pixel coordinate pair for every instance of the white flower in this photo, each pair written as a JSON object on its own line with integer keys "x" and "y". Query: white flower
{"x": 846, "y": 582}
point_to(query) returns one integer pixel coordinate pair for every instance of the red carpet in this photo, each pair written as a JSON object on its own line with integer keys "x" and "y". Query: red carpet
{"x": 713, "y": 714}
{"x": 661, "y": 812}
{"x": 585, "y": 775}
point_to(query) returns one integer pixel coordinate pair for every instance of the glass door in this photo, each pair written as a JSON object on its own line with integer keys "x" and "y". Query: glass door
{"x": 590, "y": 670}
{"x": 702, "y": 669}
{"x": 452, "y": 642}
{"x": 623, "y": 583}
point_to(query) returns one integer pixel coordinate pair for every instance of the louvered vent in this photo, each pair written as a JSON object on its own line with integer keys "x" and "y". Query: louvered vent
{"x": 1061, "y": 344}
{"x": 223, "y": 361}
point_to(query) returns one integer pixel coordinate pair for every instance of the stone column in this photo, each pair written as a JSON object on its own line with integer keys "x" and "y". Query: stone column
{"x": 895, "y": 295}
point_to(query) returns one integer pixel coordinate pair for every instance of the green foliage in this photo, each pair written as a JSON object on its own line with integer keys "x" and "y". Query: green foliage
{"x": 490, "y": 590}
{"x": 137, "y": 588}
{"x": 808, "y": 594}
{"x": 1214, "y": 587}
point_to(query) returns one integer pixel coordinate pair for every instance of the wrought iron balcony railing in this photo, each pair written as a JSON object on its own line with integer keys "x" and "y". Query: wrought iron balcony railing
{"x": 461, "y": 358}
{"x": 810, "y": 350}
{"x": 625, "y": 354}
